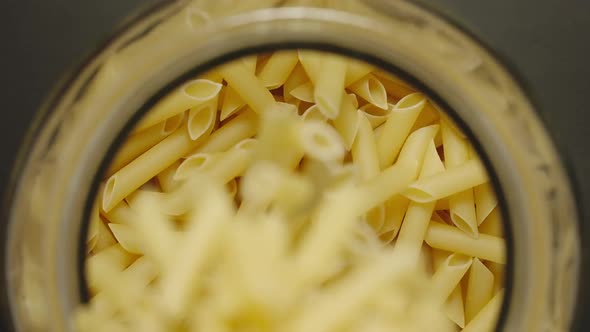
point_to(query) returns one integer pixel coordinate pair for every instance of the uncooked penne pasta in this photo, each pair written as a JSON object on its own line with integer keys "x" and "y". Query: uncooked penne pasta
{"x": 247, "y": 86}
{"x": 364, "y": 149}
{"x": 449, "y": 274}
{"x": 278, "y": 68}
{"x": 450, "y": 238}
{"x": 146, "y": 166}
{"x": 201, "y": 119}
{"x": 485, "y": 321}
{"x": 303, "y": 92}
{"x": 321, "y": 179}
{"x": 230, "y": 103}
{"x": 355, "y": 70}
{"x": 311, "y": 63}
{"x": 480, "y": 289}
{"x": 370, "y": 89}
{"x": 418, "y": 215}
{"x": 347, "y": 121}
{"x": 461, "y": 204}
{"x": 397, "y": 127}
{"x": 241, "y": 127}
{"x": 297, "y": 78}
{"x": 142, "y": 141}
{"x": 447, "y": 183}
{"x": 485, "y": 201}
{"x": 188, "y": 96}
{"x": 329, "y": 87}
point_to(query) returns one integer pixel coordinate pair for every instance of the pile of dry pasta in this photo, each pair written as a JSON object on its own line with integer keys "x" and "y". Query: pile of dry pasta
{"x": 294, "y": 191}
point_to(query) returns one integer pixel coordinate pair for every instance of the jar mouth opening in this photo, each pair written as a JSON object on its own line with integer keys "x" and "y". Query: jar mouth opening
{"x": 379, "y": 63}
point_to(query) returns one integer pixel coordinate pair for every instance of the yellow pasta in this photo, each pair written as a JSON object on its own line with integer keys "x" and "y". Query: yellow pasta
{"x": 278, "y": 204}
{"x": 247, "y": 86}
{"x": 417, "y": 217}
{"x": 397, "y": 127}
{"x": 480, "y": 289}
{"x": 461, "y": 204}
{"x": 347, "y": 121}
{"x": 303, "y": 92}
{"x": 202, "y": 118}
{"x": 311, "y": 63}
{"x": 277, "y": 69}
{"x": 452, "y": 239}
{"x": 329, "y": 87}
{"x": 189, "y": 95}
{"x": 242, "y": 126}
{"x": 447, "y": 183}
{"x": 146, "y": 166}
{"x": 230, "y": 104}
{"x": 142, "y": 141}
{"x": 485, "y": 321}
{"x": 371, "y": 90}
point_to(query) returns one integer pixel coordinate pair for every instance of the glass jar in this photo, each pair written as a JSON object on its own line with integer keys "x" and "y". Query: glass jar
{"x": 86, "y": 117}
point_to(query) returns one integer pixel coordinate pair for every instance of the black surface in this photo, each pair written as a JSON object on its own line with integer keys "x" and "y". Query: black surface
{"x": 546, "y": 41}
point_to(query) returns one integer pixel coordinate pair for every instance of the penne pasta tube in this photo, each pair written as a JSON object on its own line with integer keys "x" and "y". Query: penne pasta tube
{"x": 493, "y": 224}
{"x": 397, "y": 127}
{"x": 201, "y": 119}
{"x": 120, "y": 214}
{"x": 370, "y": 89}
{"x": 146, "y": 166}
{"x": 93, "y": 225}
{"x": 191, "y": 94}
{"x": 450, "y": 238}
{"x": 168, "y": 206}
{"x": 355, "y": 70}
{"x": 243, "y": 126}
{"x": 454, "y": 307}
{"x": 127, "y": 238}
{"x": 486, "y": 319}
{"x": 320, "y": 141}
{"x": 418, "y": 215}
{"x": 447, "y": 183}
{"x": 280, "y": 136}
{"x": 376, "y": 217}
{"x": 247, "y": 86}
{"x": 485, "y": 201}
{"x": 393, "y": 85}
{"x": 364, "y": 149}
{"x": 329, "y": 86}
{"x": 395, "y": 210}
{"x": 250, "y": 62}
{"x": 394, "y": 179}
{"x": 166, "y": 178}
{"x": 304, "y": 92}
{"x": 197, "y": 246}
{"x": 226, "y": 166}
{"x": 112, "y": 257}
{"x": 347, "y": 121}
{"x": 230, "y": 104}
{"x": 461, "y": 204}
{"x": 313, "y": 113}
{"x": 480, "y": 289}
{"x": 499, "y": 271}
{"x": 142, "y": 141}
{"x": 104, "y": 238}
{"x": 197, "y": 163}
{"x": 311, "y": 63}
{"x": 297, "y": 78}
{"x": 376, "y": 116}
{"x": 448, "y": 275}
{"x": 278, "y": 68}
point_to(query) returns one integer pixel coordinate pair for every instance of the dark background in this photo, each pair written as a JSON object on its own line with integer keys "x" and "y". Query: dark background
{"x": 547, "y": 42}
